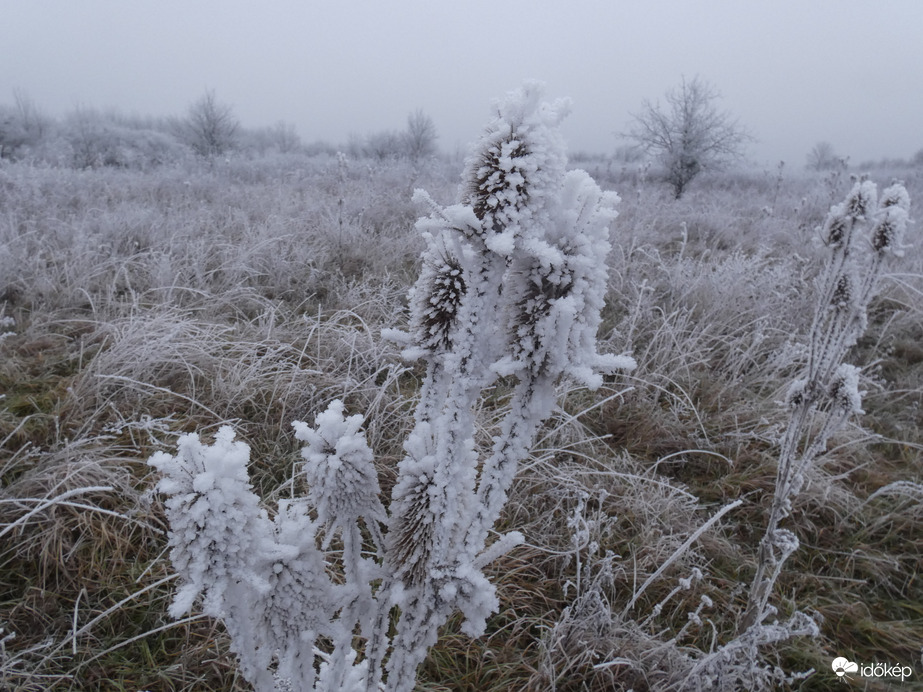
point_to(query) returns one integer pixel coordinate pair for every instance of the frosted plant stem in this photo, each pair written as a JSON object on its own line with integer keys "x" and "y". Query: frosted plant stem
{"x": 829, "y": 388}
{"x": 761, "y": 587}
{"x": 790, "y": 469}
{"x": 516, "y": 437}
{"x": 377, "y": 644}
{"x": 789, "y": 479}
{"x": 411, "y": 644}
{"x": 432, "y": 391}
{"x": 450, "y": 491}
{"x": 678, "y": 552}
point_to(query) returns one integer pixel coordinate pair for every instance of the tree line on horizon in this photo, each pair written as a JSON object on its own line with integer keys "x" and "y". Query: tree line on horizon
{"x": 683, "y": 137}
{"x": 209, "y": 128}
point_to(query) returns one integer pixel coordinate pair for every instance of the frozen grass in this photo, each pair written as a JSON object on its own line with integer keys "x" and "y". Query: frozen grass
{"x": 144, "y": 305}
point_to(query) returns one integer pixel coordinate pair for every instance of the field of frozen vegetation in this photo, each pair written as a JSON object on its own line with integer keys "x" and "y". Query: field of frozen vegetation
{"x": 278, "y": 416}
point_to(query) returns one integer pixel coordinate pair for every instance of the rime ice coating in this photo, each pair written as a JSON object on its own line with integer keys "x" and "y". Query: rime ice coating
{"x": 513, "y": 280}
{"x": 512, "y": 283}
{"x": 266, "y": 580}
{"x": 342, "y": 483}
{"x": 216, "y": 524}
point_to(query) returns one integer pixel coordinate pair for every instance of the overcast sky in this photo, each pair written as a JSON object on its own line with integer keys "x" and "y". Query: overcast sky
{"x": 794, "y": 72}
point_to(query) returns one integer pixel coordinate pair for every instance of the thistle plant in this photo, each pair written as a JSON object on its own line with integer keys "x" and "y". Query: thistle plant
{"x": 512, "y": 282}
{"x": 863, "y": 234}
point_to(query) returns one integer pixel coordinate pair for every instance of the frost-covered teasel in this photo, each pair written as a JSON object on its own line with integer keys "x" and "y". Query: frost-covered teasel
{"x": 861, "y": 200}
{"x": 297, "y": 608}
{"x": 266, "y": 580}
{"x": 342, "y": 483}
{"x": 516, "y": 166}
{"x": 844, "y": 390}
{"x": 217, "y": 528}
{"x": 862, "y": 234}
{"x": 559, "y": 289}
{"x": 512, "y": 282}
{"x": 437, "y": 295}
{"x": 895, "y": 195}
{"x": 844, "y": 293}
{"x": 835, "y": 229}
{"x": 888, "y": 233}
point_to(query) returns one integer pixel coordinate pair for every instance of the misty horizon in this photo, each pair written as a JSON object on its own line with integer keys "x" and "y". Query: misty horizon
{"x": 793, "y": 75}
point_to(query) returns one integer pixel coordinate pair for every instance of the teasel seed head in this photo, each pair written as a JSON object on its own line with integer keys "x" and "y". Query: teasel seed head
{"x": 802, "y": 391}
{"x": 862, "y": 199}
{"x": 895, "y": 196}
{"x": 437, "y": 295}
{"x": 844, "y": 389}
{"x": 497, "y": 186}
{"x": 530, "y": 329}
{"x": 437, "y": 307}
{"x": 835, "y": 229}
{"x": 514, "y": 169}
{"x": 844, "y": 295}
{"x": 888, "y": 233}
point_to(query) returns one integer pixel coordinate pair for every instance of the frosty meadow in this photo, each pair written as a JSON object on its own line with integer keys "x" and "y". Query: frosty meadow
{"x": 600, "y": 444}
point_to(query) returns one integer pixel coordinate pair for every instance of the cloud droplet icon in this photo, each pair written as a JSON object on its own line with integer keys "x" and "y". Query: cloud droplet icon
{"x": 841, "y": 666}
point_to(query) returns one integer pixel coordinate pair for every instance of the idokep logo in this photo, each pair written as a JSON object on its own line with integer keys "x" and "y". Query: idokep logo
{"x": 842, "y": 667}
{"x": 846, "y": 669}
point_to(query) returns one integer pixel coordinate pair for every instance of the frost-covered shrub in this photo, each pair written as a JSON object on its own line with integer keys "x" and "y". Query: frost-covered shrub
{"x": 512, "y": 285}
{"x": 95, "y": 140}
{"x": 22, "y": 126}
{"x": 13, "y": 134}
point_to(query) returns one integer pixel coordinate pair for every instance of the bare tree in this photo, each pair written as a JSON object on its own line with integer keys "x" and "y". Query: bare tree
{"x": 417, "y": 142}
{"x": 210, "y": 127}
{"x": 285, "y": 137}
{"x": 420, "y": 136}
{"x": 384, "y": 146}
{"x": 33, "y": 120}
{"x": 12, "y": 135}
{"x": 690, "y": 134}
{"x": 21, "y": 126}
{"x": 822, "y": 157}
